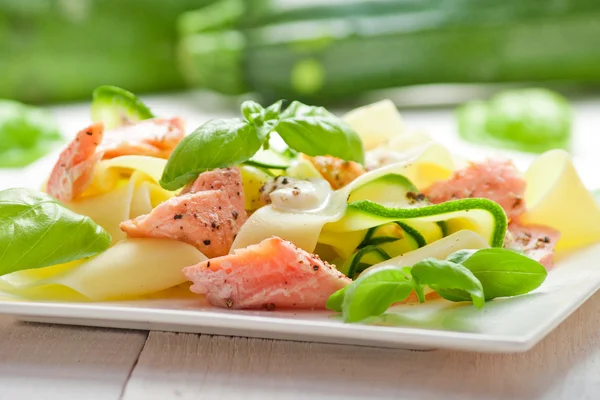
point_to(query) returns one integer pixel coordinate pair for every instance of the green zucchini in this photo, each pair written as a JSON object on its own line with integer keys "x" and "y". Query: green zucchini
{"x": 392, "y": 219}
{"x": 270, "y": 159}
{"x": 56, "y": 50}
{"x": 327, "y": 50}
{"x": 115, "y": 107}
{"x": 394, "y": 190}
{"x": 354, "y": 265}
{"x": 481, "y": 216}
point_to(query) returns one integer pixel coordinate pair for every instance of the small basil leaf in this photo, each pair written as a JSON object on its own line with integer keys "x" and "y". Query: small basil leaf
{"x": 374, "y": 292}
{"x": 505, "y": 273}
{"x": 265, "y": 120}
{"x": 334, "y": 302}
{"x": 450, "y": 280}
{"x": 272, "y": 112}
{"x": 418, "y": 288}
{"x": 37, "y": 231}
{"x": 251, "y": 110}
{"x": 216, "y": 144}
{"x": 317, "y": 132}
{"x": 460, "y": 256}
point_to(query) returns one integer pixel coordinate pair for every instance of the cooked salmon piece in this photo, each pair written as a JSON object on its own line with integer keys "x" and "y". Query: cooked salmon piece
{"x": 155, "y": 137}
{"x": 228, "y": 179}
{"x": 75, "y": 166}
{"x": 272, "y": 274}
{"x": 74, "y": 169}
{"x": 535, "y": 241}
{"x": 208, "y": 219}
{"x": 496, "y": 180}
{"x": 336, "y": 171}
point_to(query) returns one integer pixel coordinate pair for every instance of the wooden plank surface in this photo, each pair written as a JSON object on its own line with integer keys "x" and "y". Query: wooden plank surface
{"x": 566, "y": 365}
{"x": 47, "y": 362}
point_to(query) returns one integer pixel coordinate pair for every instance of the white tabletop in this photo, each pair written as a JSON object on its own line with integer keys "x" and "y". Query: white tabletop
{"x": 39, "y": 361}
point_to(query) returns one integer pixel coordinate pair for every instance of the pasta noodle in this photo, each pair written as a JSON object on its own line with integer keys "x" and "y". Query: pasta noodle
{"x": 122, "y": 188}
{"x": 131, "y": 268}
{"x": 556, "y": 197}
{"x": 303, "y": 229}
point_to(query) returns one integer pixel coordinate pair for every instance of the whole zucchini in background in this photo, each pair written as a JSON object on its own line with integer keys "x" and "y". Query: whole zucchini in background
{"x": 327, "y": 50}
{"x": 55, "y": 50}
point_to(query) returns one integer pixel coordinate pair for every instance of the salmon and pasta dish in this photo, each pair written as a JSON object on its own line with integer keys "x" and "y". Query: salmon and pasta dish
{"x": 286, "y": 207}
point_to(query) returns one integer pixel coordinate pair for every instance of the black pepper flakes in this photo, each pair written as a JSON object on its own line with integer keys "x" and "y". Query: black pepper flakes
{"x": 208, "y": 264}
{"x": 316, "y": 267}
{"x": 206, "y": 242}
{"x": 414, "y": 197}
{"x": 285, "y": 181}
{"x": 229, "y": 302}
{"x": 178, "y": 216}
{"x": 517, "y": 202}
{"x": 269, "y": 306}
{"x": 235, "y": 214}
{"x": 89, "y": 133}
{"x": 545, "y": 239}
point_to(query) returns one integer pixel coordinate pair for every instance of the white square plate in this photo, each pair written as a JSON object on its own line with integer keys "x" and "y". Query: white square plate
{"x": 503, "y": 325}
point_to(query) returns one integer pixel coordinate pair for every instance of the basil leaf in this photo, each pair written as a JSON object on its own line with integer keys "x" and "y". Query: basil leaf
{"x": 317, "y": 132}
{"x": 251, "y": 110}
{"x": 26, "y": 133}
{"x": 37, "y": 231}
{"x": 264, "y": 119}
{"x": 460, "y": 256}
{"x": 334, "y": 302}
{"x": 450, "y": 280}
{"x": 216, "y": 144}
{"x": 502, "y": 272}
{"x": 374, "y": 292}
{"x": 272, "y": 112}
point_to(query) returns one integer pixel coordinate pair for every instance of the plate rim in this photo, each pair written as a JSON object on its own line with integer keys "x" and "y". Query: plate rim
{"x": 110, "y": 315}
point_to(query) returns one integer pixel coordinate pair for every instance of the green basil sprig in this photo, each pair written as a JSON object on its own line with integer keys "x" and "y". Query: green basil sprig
{"x": 37, "y": 231}
{"x": 450, "y": 280}
{"x": 222, "y": 143}
{"x": 466, "y": 275}
{"x": 502, "y": 273}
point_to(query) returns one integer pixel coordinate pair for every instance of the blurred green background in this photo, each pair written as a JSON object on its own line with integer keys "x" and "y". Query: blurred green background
{"x": 322, "y": 52}
{"x": 318, "y": 51}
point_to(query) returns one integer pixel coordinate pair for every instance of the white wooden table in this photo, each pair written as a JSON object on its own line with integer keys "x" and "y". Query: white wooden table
{"x": 40, "y": 361}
